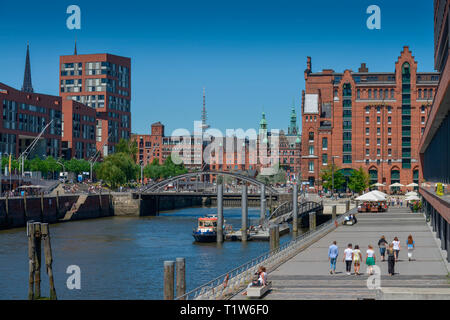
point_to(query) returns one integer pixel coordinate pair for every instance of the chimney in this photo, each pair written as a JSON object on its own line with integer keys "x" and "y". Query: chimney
{"x": 308, "y": 64}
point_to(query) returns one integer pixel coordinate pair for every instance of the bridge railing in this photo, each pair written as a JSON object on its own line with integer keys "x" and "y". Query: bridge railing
{"x": 228, "y": 284}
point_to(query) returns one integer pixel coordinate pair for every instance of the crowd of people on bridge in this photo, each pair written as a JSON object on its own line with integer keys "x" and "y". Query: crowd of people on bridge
{"x": 353, "y": 255}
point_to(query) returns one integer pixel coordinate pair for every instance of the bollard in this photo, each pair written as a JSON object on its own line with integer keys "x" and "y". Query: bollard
{"x": 333, "y": 212}
{"x": 181, "y": 277}
{"x": 169, "y": 276}
{"x": 295, "y": 209}
{"x": 219, "y": 238}
{"x": 262, "y": 214}
{"x": 244, "y": 213}
{"x": 272, "y": 237}
{"x": 347, "y": 206}
{"x": 312, "y": 221}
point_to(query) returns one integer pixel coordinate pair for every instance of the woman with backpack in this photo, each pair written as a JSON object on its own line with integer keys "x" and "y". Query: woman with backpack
{"x": 391, "y": 259}
{"x": 382, "y": 245}
{"x": 357, "y": 259}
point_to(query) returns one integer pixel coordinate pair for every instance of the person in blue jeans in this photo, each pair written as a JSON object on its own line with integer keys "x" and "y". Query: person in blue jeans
{"x": 333, "y": 252}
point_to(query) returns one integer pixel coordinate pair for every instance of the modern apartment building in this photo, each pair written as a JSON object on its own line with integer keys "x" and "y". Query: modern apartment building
{"x": 102, "y": 82}
{"x": 435, "y": 142}
{"x": 366, "y": 119}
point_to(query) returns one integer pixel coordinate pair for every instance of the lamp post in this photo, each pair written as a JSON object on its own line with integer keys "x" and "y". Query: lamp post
{"x": 64, "y": 169}
{"x": 332, "y": 175}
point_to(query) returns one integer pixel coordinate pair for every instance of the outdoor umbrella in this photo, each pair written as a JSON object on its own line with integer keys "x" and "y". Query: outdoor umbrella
{"x": 378, "y": 185}
{"x": 371, "y": 197}
{"x": 381, "y": 194}
{"x": 396, "y": 185}
{"x": 411, "y": 185}
{"x": 412, "y": 198}
{"x": 411, "y": 193}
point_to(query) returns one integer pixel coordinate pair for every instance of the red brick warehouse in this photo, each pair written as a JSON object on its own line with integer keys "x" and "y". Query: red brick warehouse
{"x": 366, "y": 119}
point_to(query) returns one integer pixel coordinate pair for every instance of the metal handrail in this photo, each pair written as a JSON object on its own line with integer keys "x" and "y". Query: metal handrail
{"x": 231, "y": 282}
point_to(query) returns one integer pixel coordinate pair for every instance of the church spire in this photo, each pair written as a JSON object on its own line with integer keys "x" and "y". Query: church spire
{"x": 293, "y": 129}
{"x": 27, "y": 86}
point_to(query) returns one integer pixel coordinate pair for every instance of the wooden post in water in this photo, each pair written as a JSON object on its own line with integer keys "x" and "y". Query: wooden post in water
{"x": 347, "y": 206}
{"x": 312, "y": 221}
{"x": 31, "y": 257}
{"x": 37, "y": 260}
{"x": 274, "y": 237}
{"x": 42, "y": 207}
{"x": 181, "y": 277}
{"x": 57, "y": 202}
{"x": 277, "y": 236}
{"x": 25, "y": 206}
{"x": 333, "y": 212}
{"x": 169, "y": 276}
{"x": 262, "y": 213}
{"x": 295, "y": 208}
{"x": 48, "y": 258}
{"x": 244, "y": 213}
{"x": 219, "y": 214}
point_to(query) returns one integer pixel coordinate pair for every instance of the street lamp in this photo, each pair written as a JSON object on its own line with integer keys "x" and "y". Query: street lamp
{"x": 332, "y": 175}
{"x": 64, "y": 170}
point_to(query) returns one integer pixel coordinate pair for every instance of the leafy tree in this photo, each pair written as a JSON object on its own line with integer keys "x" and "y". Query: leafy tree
{"x": 129, "y": 147}
{"x": 359, "y": 180}
{"x": 118, "y": 168}
{"x": 327, "y": 177}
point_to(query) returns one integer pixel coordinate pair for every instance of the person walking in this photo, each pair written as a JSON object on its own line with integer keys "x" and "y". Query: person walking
{"x": 391, "y": 259}
{"x": 357, "y": 257}
{"x": 370, "y": 260}
{"x": 333, "y": 252}
{"x": 411, "y": 245}
{"x": 382, "y": 245}
{"x": 348, "y": 259}
{"x": 396, "y": 244}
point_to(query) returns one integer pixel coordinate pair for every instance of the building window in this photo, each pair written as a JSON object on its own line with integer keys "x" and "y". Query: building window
{"x": 422, "y": 109}
{"x": 422, "y": 130}
{"x": 367, "y": 141}
{"x": 378, "y": 141}
{"x": 378, "y": 120}
{"x": 389, "y": 109}
{"x": 389, "y": 120}
{"x": 389, "y": 131}
{"x": 367, "y": 120}
{"x": 311, "y": 150}
{"x": 370, "y": 93}
{"x": 324, "y": 159}
{"x": 422, "y": 120}
{"x": 378, "y": 152}
{"x": 367, "y": 109}
{"x": 389, "y": 141}
{"x": 367, "y": 131}
{"x": 311, "y": 166}
{"x": 378, "y": 109}
{"x": 419, "y": 96}
{"x": 324, "y": 143}
{"x": 378, "y": 131}
{"x": 425, "y": 92}
{"x": 389, "y": 152}
{"x": 392, "y": 93}
{"x": 358, "y": 94}
{"x": 367, "y": 152}
{"x": 311, "y": 137}
{"x": 347, "y": 158}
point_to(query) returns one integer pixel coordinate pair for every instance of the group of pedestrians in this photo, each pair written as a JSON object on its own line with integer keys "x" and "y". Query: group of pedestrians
{"x": 353, "y": 255}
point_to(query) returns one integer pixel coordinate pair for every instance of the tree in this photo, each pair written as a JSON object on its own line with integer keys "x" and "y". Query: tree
{"x": 129, "y": 147}
{"x": 359, "y": 180}
{"x": 153, "y": 170}
{"x": 118, "y": 168}
{"x": 327, "y": 177}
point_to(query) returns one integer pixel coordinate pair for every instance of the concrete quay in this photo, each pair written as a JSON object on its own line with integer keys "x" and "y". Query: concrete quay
{"x": 306, "y": 276}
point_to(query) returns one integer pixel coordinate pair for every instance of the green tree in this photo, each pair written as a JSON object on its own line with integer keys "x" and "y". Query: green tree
{"x": 153, "y": 170}
{"x": 118, "y": 168}
{"x": 129, "y": 147}
{"x": 359, "y": 180}
{"x": 327, "y": 177}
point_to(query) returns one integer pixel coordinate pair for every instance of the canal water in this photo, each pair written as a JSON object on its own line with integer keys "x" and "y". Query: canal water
{"x": 122, "y": 258}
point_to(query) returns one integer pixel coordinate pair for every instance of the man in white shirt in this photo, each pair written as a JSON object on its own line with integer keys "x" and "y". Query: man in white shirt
{"x": 348, "y": 258}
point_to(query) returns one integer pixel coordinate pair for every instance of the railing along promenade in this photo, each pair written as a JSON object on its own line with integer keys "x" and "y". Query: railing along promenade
{"x": 232, "y": 282}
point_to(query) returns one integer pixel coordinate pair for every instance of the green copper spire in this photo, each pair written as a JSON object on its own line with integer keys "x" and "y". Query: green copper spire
{"x": 293, "y": 128}
{"x": 263, "y": 128}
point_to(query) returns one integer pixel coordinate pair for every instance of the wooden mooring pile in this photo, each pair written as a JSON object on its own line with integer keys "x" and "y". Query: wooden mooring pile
{"x": 37, "y": 233}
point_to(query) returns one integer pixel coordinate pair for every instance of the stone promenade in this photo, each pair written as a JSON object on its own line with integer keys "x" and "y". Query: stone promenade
{"x": 306, "y": 276}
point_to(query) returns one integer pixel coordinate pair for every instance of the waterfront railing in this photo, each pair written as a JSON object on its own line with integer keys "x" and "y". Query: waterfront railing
{"x": 232, "y": 282}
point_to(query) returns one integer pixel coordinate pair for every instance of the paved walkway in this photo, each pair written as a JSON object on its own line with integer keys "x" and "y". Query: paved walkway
{"x": 306, "y": 276}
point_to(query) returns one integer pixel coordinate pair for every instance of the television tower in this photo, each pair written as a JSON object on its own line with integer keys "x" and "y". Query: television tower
{"x": 204, "y": 125}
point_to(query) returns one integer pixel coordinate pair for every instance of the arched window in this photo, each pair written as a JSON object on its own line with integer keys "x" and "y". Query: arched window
{"x": 347, "y": 90}
{"x": 420, "y": 94}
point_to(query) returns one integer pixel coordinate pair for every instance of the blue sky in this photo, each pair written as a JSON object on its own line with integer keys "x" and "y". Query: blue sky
{"x": 250, "y": 55}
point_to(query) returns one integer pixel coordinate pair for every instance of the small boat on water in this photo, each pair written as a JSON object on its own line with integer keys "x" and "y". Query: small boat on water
{"x": 206, "y": 230}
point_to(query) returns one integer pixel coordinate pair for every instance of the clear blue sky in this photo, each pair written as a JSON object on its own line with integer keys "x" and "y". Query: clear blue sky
{"x": 250, "y": 55}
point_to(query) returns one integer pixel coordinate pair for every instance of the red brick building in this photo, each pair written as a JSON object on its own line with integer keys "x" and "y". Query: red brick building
{"x": 102, "y": 82}
{"x": 78, "y": 130}
{"x": 25, "y": 115}
{"x": 366, "y": 119}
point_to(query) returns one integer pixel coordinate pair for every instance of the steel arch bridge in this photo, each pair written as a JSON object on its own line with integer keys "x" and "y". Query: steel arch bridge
{"x": 158, "y": 186}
